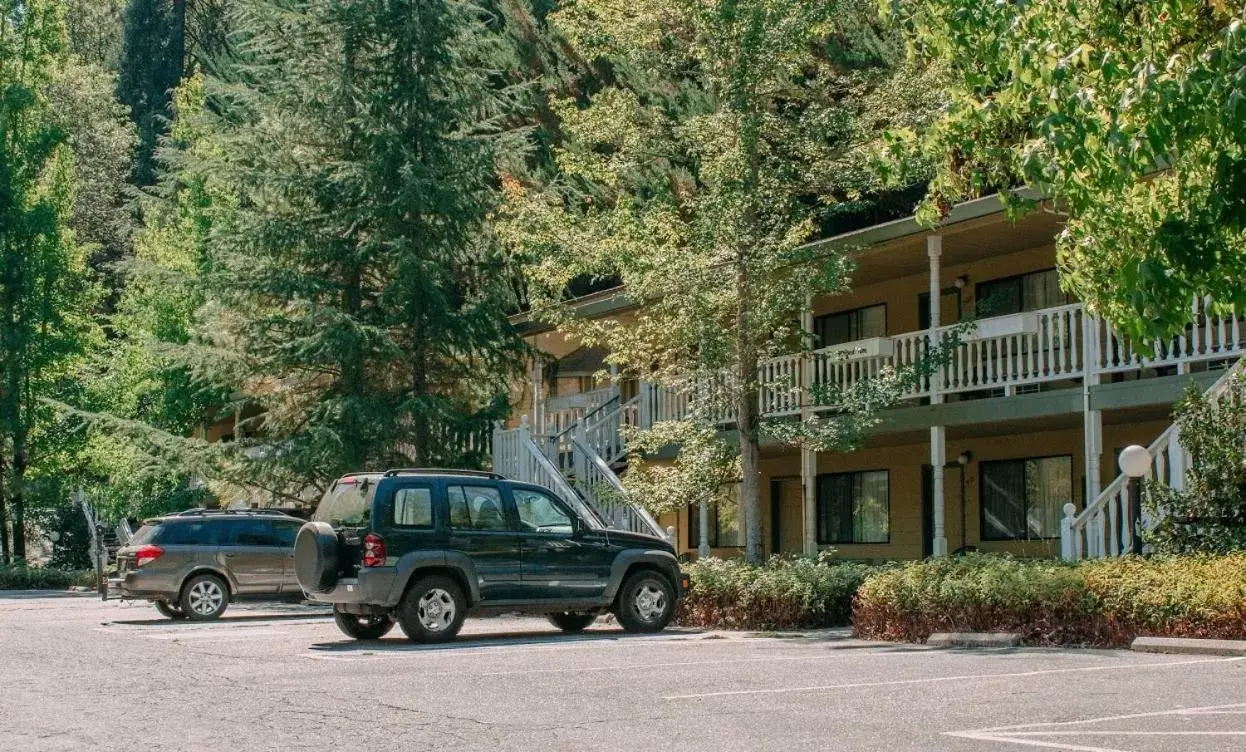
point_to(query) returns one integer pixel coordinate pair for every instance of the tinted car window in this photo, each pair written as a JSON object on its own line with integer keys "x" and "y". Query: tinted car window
{"x": 476, "y": 508}
{"x": 413, "y": 507}
{"x": 539, "y": 513}
{"x": 249, "y": 533}
{"x": 145, "y": 534}
{"x": 286, "y": 532}
{"x": 348, "y": 502}
{"x": 201, "y": 533}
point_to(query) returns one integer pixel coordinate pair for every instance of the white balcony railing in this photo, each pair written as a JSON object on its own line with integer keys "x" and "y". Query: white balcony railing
{"x": 1001, "y": 353}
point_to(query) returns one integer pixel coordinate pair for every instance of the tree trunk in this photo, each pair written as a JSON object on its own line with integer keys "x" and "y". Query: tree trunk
{"x": 17, "y": 495}
{"x": 4, "y": 516}
{"x": 750, "y": 495}
{"x": 419, "y": 389}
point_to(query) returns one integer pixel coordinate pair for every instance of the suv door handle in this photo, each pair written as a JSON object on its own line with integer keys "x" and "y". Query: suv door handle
{"x": 230, "y": 556}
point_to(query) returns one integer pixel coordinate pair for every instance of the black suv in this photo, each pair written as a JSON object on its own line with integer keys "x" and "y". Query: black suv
{"x": 423, "y": 547}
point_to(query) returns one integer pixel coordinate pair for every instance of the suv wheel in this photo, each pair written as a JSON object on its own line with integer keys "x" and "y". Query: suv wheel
{"x": 646, "y": 602}
{"x": 171, "y": 610}
{"x": 363, "y": 626}
{"x": 204, "y": 597}
{"x": 432, "y": 610}
{"x": 572, "y": 622}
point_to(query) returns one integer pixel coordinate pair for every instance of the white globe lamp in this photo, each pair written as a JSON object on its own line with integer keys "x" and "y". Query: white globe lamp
{"x": 1135, "y": 461}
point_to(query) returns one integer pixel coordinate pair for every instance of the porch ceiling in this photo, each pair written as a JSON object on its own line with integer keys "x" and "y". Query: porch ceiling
{"x": 963, "y": 243}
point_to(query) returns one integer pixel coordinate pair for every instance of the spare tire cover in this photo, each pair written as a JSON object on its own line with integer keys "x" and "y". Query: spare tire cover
{"x": 316, "y": 557}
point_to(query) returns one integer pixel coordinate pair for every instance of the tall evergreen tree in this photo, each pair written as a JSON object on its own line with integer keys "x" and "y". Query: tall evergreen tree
{"x": 152, "y": 64}
{"x": 354, "y": 274}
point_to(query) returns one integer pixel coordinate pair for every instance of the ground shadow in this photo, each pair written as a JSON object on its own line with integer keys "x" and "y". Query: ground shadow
{"x": 510, "y": 638}
{"x": 21, "y": 595}
{"x": 241, "y": 619}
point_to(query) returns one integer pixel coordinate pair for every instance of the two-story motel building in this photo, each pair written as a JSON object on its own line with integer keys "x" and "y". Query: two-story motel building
{"x": 1026, "y": 418}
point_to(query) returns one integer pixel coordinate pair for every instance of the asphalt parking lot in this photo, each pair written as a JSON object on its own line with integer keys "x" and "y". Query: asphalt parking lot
{"x": 83, "y": 675}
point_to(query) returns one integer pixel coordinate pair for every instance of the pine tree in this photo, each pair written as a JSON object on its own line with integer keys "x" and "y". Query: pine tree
{"x": 355, "y": 276}
{"x": 152, "y": 64}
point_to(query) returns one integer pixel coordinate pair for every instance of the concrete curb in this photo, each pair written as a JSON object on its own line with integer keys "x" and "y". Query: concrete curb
{"x": 974, "y": 640}
{"x": 1188, "y": 646}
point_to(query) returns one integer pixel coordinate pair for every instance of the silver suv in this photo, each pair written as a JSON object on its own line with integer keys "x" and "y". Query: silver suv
{"x": 192, "y": 565}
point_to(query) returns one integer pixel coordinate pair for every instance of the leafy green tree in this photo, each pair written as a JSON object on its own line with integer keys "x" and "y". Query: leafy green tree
{"x": 732, "y": 129}
{"x": 1130, "y": 116}
{"x": 96, "y": 31}
{"x": 354, "y": 278}
{"x": 45, "y": 294}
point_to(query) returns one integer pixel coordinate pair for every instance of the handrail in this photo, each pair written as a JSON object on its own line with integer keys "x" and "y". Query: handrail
{"x": 599, "y": 408}
{"x": 558, "y": 484}
{"x": 1083, "y": 535}
{"x": 612, "y": 479}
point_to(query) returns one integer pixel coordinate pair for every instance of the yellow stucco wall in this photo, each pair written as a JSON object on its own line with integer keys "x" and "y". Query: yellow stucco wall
{"x": 904, "y": 464}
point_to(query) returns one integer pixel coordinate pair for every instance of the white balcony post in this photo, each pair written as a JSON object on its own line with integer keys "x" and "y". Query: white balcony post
{"x": 538, "y": 393}
{"x": 808, "y": 457}
{"x": 1092, "y": 420}
{"x": 1067, "y": 549}
{"x": 938, "y": 436}
{"x": 644, "y": 414}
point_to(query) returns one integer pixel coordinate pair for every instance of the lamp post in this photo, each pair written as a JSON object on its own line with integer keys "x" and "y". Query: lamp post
{"x": 1135, "y": 462}
{"x": 703, "y": 549}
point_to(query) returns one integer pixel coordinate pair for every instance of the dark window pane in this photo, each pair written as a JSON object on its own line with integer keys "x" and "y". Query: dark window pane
{"x": 1003, "y": 499}
{"x": 286, "y": 533}
{"x": 250, "y": 533}
{"x": 187, "y": 534}
{"x": 850, "y": 326}
{"x": 1048, "y": 486}
{"x": 413, "y": 507}
{"x": 476, "y": 507}
{"x": 999, "y": 297}
{"x": 871, "y": 508}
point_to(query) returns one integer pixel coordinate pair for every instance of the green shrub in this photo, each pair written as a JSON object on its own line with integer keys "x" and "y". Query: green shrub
{"x": 1209, "y": 515}
{"x": 1107, "y": 602}
{"x": 42, "y": 578}
{"x": 783, "y": 593}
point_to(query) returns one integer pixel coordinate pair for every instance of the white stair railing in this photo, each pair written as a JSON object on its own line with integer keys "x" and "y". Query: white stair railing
{"x": 1103, "y": 529}
{"x": 593, "y": 474}
{"x": 518, "y": 456}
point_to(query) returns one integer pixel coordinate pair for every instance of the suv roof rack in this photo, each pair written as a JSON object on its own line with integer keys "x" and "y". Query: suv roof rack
{"x": 205, "y": 512}
{"x": 443, "y": 471}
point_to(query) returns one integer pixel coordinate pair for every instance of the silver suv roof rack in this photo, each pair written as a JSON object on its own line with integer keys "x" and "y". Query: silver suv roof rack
{"x": 442, "y": 471}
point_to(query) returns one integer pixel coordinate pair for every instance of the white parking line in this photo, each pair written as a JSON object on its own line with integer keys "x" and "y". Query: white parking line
{"x": 937, "y": 679}
{"x": 1024, "y": 735}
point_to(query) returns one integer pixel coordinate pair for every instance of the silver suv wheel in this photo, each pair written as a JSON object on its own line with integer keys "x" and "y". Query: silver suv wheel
{"x": 205, "y": 597}
{"x": 651, "y": 602}
{"x": 436, "y": 610}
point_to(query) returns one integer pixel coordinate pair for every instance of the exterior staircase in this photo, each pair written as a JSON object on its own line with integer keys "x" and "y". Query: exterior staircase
{"x": 578, "y": 456}
{"x": 1103, "y": 530}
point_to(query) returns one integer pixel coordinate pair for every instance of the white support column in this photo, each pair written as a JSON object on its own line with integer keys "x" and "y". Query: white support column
{"x": 808, "y": 457}
{"x": 938, "y": 435}
{"x": 1092, "y": 423}
{"x": 538, "y": 393}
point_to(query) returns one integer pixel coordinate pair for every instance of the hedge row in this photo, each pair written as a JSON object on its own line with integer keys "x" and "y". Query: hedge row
{"x": 41, "y": 578}
{"x": 1102, "y": 603}
{"x": 784, "y": 593}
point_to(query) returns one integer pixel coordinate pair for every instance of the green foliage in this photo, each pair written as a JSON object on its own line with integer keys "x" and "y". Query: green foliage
{"x": 21, "y": 577}
{"x": 96, "y": 31}
{"x": 353, "y": 295}
{"x": 153, "y": 62}
{"x": 1128, "y": 115}
{"x": 697, "y": 176}
{"x": 781, "y": 593}
{"x": 1209, "y": 515}
{"x": 1103, "y": 602}
{"x": 46, "y": 295}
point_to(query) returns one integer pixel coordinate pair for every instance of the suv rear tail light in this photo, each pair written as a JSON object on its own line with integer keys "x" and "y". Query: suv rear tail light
{"x": 373, "y": 550}
{"x": 147, "y": 554}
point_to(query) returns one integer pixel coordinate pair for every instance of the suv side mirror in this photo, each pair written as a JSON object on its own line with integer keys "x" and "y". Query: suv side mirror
{"x": 577, "y": 526}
